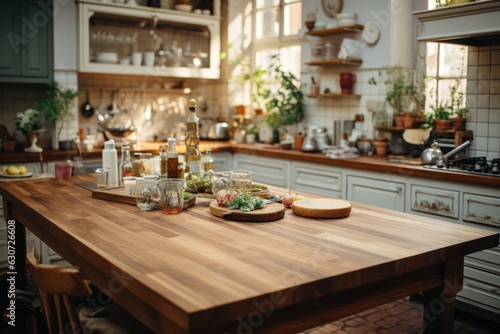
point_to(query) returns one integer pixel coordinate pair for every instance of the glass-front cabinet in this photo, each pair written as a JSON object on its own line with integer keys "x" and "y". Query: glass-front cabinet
{"x": 138, "y": 40}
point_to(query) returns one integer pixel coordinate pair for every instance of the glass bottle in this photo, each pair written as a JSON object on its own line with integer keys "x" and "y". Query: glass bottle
{"x": 208, "y": 161}
{"x": 137, "y": 164}
{"x": 78, "y": 166}
{"x": 163, "y": 160}
{"x": 193, "y": 155}
{"x": 172, "y": 160}
{"x": 125, "y": 164}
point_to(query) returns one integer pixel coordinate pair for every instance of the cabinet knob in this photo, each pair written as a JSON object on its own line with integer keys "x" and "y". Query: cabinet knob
{"x": 399, "y": 189}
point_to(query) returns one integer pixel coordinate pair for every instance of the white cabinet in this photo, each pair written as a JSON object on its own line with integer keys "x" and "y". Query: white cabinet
{"x": 481, "y": 209}
{"x": 109, "y": 33}
{"x": 317, "y": 179}
{"x": 384, "y": 194}
{"x": 270, "y": 171}
{"x": 222, "y": 161}
{"x": 437, "y": 201}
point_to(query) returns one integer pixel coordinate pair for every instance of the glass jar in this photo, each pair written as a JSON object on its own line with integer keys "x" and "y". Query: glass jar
{"x": 330, "y": 50}
{"x": 146, "y": 193}
{"x": 147, "y": 164}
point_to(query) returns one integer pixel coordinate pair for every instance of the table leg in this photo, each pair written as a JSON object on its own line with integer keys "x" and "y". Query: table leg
{"x": 439, "y": 303}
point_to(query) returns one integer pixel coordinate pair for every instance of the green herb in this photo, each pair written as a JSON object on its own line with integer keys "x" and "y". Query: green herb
{"x": 245, "y": 202}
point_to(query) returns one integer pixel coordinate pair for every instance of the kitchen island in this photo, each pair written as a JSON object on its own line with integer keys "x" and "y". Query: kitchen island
{"x": 197, "y": 273}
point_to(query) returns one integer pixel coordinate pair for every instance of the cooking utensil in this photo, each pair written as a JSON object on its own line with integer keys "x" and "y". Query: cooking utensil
{"x": 432, "y": 154}
{"x": 456, "y": 150}
{"x": 87, "y": 110}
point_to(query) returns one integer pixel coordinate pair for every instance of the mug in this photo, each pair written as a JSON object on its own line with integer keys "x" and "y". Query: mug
{"x": 149, "y": 58}
{"x": 137, "y": 58}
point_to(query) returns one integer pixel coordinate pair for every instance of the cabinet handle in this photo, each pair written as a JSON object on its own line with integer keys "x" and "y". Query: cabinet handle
{"x": 399, "y": 189}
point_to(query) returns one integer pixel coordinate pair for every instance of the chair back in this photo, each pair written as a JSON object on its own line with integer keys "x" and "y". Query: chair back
{"x": 58, "y": 288}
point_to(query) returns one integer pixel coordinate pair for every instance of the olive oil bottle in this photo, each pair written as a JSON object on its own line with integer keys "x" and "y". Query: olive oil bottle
{"x": 193, "y": 155}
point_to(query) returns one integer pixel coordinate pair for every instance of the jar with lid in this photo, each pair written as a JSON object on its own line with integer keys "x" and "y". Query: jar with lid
{"x": 147, "y": 166}
{"x": 137, "y": 165}
{"x": 330, "y": 50}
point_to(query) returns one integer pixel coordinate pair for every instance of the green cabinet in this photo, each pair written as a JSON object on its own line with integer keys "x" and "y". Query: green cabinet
{"x": 26, "y": 41}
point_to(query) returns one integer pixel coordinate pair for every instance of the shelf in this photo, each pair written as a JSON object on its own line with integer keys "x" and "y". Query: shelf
{"x": 336, "y": 62}
{"x": 333, "y": 96}
{"x": 336, "y": 30}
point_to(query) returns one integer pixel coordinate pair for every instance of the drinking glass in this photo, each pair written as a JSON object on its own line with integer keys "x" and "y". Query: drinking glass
{"x": 146, "y": 193}
{"x": 171, "y": 193}
{"x": 102, "y": 177}
{"x": 240, "y": 180}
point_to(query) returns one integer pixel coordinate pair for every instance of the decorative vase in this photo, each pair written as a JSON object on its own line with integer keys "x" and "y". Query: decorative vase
{"x": 347, "y": 80}
{"x": 33, "y": 139}
{"x": 459, "y": 123}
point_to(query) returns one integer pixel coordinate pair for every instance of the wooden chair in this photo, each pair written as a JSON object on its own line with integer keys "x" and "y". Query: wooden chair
{"x": 58, "y": 288}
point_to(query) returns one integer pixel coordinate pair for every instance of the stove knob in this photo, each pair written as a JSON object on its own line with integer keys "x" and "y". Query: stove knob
{"x": 478, "y": 168}
{"x": 495, "y": 170}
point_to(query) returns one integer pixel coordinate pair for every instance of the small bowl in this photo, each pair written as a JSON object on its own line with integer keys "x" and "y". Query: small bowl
{"x": 346, "y": 19}
{"x": 183, "y": 7}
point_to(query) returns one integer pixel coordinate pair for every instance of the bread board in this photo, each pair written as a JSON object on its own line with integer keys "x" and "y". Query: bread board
{"x": 270, "y": 212}
{"x": 322, "y": 208}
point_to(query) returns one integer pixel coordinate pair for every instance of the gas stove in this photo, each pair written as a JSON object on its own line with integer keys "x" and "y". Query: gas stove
{"x": 477, "y": 165}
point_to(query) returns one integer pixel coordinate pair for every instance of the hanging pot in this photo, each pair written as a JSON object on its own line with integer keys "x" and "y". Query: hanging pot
{"x": 87, "y": 110}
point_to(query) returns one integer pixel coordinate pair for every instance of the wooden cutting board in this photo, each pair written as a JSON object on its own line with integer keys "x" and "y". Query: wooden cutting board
{"x": 322, "y": 208}
{"x": 269, "y": 212}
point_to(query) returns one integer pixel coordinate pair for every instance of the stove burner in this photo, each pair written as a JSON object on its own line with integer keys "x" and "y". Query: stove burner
{"x": 478, "y": 165}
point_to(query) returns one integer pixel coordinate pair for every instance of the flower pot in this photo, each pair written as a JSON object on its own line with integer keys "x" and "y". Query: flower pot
{"x": 347, "y": 80}
{"x": 381, "y": 147}
{"x": 459, "y": 123}
{"x": 408, "y": 122}
{"x": 398, "y": 121}
{"x": 440, "y": 124}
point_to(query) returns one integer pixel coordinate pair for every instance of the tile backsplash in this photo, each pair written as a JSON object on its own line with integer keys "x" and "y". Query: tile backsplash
{"x": 483, "y": 100}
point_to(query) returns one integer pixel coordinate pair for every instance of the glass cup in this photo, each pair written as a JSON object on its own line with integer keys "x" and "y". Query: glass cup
{"x": 101, "y": 175}
{"x": 240, "y": 180}
{"x": 146, "y": 194}
{"x": 171, "y": 194}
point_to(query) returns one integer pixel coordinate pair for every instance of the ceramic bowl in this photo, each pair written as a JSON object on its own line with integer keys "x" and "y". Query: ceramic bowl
{"x": 346, "y": 19}
{"x": 183, "y": 7}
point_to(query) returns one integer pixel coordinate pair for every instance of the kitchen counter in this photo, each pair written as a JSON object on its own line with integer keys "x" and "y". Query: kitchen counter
{"x": 197, "y": 273}
{"x": 370, "y": 163}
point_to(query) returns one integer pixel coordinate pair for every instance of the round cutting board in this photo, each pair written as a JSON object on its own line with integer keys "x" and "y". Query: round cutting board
{"x": 269, "y": 212}
{"x": 322, "y": 208}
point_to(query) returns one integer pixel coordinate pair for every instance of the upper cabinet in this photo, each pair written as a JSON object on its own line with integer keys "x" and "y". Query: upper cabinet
{"x": 26, "y": 41}
{"x": 139, "y": 40}
{"x": 474, "y": 23}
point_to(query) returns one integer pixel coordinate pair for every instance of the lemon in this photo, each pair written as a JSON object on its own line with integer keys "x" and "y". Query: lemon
{"x": 22, "y": 170}
{"x": 5, "y": 170}
{"x": 13, "y": 170}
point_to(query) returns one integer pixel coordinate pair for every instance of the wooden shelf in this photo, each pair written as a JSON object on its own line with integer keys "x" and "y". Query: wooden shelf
{"x": 333, "y": 96}
{"x": 336, "y": 30}
{"x": 336, "y": 62}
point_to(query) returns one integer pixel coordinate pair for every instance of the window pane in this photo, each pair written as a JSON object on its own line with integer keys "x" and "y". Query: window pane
{"x": 291, "y": 59}
{"x": 452, "y": 60}
{"x": 266, "y": 3}
{"x": 267, "y": 23}
{"x": 431, "y": 59}
{"x": 293, "y": 19}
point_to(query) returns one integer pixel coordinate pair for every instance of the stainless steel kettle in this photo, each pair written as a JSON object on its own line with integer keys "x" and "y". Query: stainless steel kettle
{"x": 432, "y": 155}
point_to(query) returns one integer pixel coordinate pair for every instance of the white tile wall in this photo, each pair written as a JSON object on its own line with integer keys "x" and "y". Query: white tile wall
{"x": 483, "y": 100}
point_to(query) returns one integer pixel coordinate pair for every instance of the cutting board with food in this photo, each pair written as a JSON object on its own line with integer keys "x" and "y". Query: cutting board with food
{"x": 322, "y": 208}
{"x": 269, "y": 212}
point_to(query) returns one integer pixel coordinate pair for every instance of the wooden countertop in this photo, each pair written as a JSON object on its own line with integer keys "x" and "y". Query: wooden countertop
{"x": 369, "y": 163}
{"x": 197, "y": 273}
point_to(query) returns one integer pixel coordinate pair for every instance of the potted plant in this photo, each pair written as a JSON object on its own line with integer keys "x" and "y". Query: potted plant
{"x": 442, "y": 117}
{"x": 460, "y": 118}
{"x": 284, "y": 103}
{"x": 56, "y": 106}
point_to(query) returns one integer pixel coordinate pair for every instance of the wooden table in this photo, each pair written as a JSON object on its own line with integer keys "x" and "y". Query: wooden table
{"x": 196, "y": 273}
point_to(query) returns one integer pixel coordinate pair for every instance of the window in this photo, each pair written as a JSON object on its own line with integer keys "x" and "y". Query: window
{"x": 446, "y": 69}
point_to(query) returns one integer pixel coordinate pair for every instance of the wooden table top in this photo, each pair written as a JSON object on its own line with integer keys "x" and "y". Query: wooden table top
{"x": 194, "y": 269}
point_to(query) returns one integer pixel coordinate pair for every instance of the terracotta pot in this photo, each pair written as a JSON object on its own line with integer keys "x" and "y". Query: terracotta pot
{"x": 408, "y": 122}
{"x": 459, "y": 123}
{"x": 440, "y": 124}
{"x": 398, "y": 121}
{"x": 9, "y": 146}
{"x": 347, "y": 80}
{"x": 381, "y": 147}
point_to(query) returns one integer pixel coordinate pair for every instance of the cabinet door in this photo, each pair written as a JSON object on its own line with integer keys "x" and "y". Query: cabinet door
{"x": 222, "y": 161}
{"x": 384, "y": 194}
{"x": 316, "y": 179}
{"x": 10, "y": 42}
{"x": 269, "y": 171}
{"x": 36, "y": 27}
